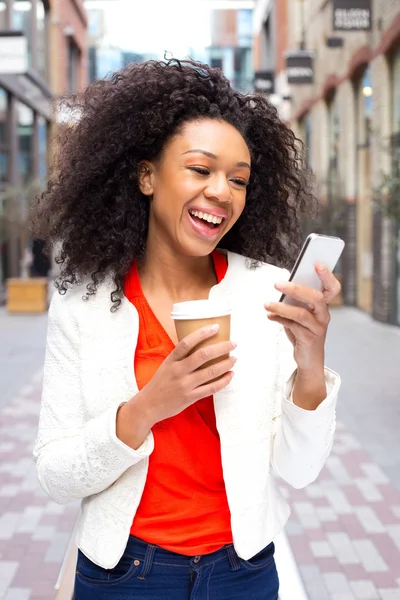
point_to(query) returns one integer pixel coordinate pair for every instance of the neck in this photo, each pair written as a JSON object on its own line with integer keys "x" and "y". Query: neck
{"x": 177, "y": 276}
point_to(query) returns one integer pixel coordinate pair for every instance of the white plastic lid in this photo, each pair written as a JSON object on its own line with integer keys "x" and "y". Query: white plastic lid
{"x": 199, "y": 309}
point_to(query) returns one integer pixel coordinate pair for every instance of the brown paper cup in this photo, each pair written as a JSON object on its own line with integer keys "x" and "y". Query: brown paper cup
{"x": 187, "y": 317}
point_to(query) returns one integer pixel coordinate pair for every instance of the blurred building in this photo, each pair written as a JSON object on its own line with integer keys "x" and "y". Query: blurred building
{"x": 338, "y": 65}
{"x": 105, "y": 58}
{"x": 42, "y": 52}
{"x": 68, "y": 51}
{"x": 270, "y": 45}
{"x": 232, "y": 43}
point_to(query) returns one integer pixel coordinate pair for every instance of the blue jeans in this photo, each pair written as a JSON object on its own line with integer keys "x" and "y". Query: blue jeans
{"x": 147, "y": 572}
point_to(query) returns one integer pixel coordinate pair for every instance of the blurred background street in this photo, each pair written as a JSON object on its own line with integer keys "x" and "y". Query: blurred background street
{"x": 332, "y": 70}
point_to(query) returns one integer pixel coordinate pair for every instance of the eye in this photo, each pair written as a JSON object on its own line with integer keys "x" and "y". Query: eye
{"x": 241, "y": 182}
{"x": 200, "y": 170}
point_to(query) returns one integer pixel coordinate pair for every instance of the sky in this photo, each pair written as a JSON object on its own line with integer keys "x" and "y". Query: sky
{"x": 156, "y": 26}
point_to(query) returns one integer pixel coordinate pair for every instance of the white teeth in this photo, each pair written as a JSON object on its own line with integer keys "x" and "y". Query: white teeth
{"x": 206, "y": 217}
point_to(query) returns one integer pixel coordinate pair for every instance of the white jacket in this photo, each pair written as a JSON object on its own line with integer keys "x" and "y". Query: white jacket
{"x": 89, "y": 372}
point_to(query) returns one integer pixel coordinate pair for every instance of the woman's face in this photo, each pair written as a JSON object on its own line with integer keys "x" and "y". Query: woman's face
{"x": 197, "y": 191}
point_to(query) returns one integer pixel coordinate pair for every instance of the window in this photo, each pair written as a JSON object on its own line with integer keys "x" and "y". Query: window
{"x": 245, "y": 27}
{"x": 22, "y": 21}
{"x": 25, "y": 142}
{"x": 73, "y": 65}
{"x": 95, "y": 17}
{"x": 3, "y": 137}
{"x": 334, "y": 135}
{"x": 395, "y": 153}
{"x": 216, "y": 63}
{"x": 367, "y": 92}
{"x": 333, "y": 211}
{"x": 3, "y": 15}
{"x": 42, "y": 140}
{"x": 237, "y": 61}
{"x": 42, "y": 39}
{"x": 305, "y": 129}
{"x": 396, "y": 93}
{"x": 243, "y": 68}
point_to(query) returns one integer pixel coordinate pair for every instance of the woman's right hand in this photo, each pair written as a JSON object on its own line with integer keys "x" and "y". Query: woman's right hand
{"x": 180, "y": 381}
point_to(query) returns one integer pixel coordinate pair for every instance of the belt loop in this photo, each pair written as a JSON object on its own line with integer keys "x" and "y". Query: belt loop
{"x": 148, "y": 561}
{"x": 233, "y": 559}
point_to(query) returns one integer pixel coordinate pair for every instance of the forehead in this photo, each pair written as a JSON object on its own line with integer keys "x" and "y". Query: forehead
{"x": 218, "y": 137}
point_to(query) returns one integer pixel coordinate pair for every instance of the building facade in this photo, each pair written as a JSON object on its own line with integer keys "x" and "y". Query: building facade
{"x": 270, "y": 32}
{"x": 42, "y": 53}
{"x": 340, "y": 70}
{"x": 68, "y": 46}
{"x": 231, "y": 48}
{"x": 104, "y": 57}
{"x": 349, "y": 118}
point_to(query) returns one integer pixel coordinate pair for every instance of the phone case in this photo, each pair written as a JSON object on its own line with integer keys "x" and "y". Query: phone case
{"x": 317, "y": 248}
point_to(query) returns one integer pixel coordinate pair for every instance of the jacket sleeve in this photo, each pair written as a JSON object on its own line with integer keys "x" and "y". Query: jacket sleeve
{"x": 75, "y": 456}
{"x": 302, "y": 439}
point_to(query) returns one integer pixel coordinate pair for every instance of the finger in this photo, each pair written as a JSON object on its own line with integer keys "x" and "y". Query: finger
{"x": 298, "y": 315}
{"x": 211, "y": 388}
{"x": 188, "y": 343}
{"x": 281, "y": 320}
{"x": 213, "y": 371}
{"x": 208, "y": 353}
{"x": 315, "y": 299}
{"x": 331, "y": 284}
{"x": 296, "y": 329}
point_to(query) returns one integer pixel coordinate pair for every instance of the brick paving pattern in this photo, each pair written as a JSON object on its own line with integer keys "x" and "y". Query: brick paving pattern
{"x": 345, "y": 528}
{"x": 34, "y": 531}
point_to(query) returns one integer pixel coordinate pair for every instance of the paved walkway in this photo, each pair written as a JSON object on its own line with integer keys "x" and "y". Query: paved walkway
{"x": 345, "y": 528}
{"x": 22, "y": 344}
{"x": 34, "y": 531}
{"x": 367, "y": 355}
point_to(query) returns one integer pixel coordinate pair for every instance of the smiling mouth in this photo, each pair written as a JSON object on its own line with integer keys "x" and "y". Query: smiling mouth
{"x": 206, "y": 219}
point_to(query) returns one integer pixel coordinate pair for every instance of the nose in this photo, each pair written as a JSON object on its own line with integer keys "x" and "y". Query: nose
{"x": 218, "y": 189}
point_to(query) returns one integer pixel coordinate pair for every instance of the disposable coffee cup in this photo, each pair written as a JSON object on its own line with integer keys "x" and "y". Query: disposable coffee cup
{"x": 193, "y": 315}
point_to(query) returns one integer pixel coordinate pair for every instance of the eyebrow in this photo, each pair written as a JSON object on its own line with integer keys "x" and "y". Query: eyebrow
{"x": 211, "y": 155}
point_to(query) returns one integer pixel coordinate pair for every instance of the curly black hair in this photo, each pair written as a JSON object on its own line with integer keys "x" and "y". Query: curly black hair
{"x": 92, "y": 207}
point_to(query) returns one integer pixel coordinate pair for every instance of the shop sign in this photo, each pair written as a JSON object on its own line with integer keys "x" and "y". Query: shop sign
{"x": 352, "y": 15}
{"x": 300, "y": 67}
{"x": 264, "y": 82}
{"x": 13, "y": 53}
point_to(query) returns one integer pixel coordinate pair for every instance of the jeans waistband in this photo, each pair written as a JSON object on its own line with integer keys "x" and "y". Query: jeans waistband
{"x": 151, "y": 553}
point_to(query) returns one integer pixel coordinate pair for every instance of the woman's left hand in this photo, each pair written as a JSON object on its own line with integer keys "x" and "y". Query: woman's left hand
{"x": 306, "y": 328}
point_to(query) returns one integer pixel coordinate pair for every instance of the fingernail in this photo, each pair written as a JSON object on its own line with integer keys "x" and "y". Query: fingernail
{"x": 214, "y": 328}
{"x": 267, "y": 305}
{"x": 280, "y": 284}
{"x": 321, "y": 268}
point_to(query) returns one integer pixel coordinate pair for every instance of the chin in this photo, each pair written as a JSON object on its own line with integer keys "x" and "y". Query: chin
{"x": 198, "y": 250}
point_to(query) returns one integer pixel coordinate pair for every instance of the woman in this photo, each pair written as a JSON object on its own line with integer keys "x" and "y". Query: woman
{"x": 173, "y": 462}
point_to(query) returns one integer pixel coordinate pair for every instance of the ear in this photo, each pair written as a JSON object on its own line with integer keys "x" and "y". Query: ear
{"x": 145, "y": 177}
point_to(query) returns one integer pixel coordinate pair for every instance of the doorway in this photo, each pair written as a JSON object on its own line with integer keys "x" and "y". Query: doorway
{"x": 364, "y": 100}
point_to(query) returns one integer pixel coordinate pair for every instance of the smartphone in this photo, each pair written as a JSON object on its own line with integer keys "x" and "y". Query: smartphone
{"x": 324, "y": 249}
